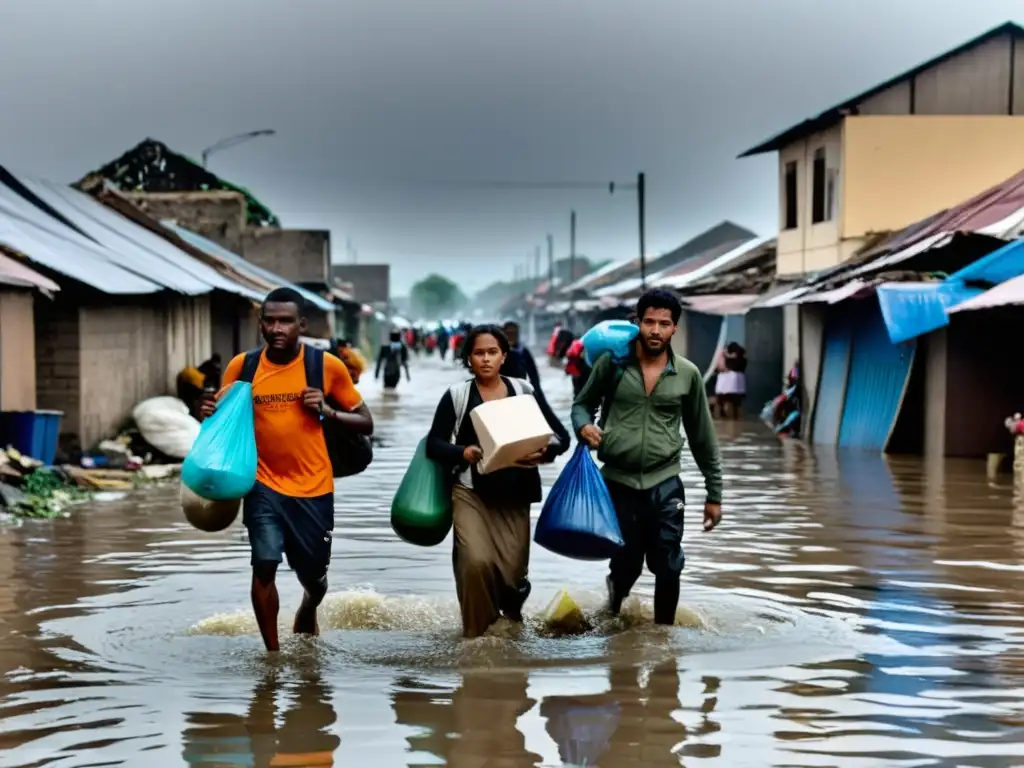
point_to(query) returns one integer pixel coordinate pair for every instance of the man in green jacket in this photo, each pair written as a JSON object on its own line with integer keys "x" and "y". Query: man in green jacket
{"x": 644, "y": 400}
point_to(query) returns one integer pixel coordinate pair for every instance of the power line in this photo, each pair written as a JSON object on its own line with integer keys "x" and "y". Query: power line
{"x": 498, "y": 184}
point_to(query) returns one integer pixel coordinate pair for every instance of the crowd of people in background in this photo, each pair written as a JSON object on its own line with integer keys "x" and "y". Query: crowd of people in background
{"x": 727, "y": 388}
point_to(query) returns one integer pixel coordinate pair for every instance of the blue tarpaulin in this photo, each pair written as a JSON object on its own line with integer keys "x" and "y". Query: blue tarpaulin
{"x": 998, "y": 267}
{"x": 913, "y": 309}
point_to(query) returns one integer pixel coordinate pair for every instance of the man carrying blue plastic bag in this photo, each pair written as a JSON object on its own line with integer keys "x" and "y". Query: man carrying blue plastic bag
{"x": 644, "y": 399}
{"x": 290, "y": 510}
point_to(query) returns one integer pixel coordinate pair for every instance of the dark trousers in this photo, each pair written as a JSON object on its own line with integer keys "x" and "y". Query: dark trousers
{"x": 651, "y": 521}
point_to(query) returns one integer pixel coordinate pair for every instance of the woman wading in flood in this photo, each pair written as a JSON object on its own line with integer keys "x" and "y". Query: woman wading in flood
{"x": 491, "y": 512}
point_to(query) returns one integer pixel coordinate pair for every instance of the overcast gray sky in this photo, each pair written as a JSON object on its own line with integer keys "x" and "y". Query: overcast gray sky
{"x": 368, "y": 93}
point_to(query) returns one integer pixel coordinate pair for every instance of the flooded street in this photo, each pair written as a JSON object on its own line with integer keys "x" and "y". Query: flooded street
{"x": 849, "y": 611}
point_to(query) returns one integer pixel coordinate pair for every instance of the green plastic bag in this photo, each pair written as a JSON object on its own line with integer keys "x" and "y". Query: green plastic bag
{"x": 421, "y": 512}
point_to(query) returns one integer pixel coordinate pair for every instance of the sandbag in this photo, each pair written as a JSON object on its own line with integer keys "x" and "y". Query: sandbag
{"x": 166, "y": 424}
{"x": 421, "y": 512}
{"x": 207, "y": 515}
{"x": 615, "y": 336}
{"x": 578, "y": 519}
{"x": 222, "y": 464}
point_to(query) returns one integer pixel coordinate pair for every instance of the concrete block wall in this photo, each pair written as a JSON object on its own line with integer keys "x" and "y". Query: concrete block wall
{"x": 217, "y": 216}
{"x": 297, "y": 255}
{"x": 123, "y": 361}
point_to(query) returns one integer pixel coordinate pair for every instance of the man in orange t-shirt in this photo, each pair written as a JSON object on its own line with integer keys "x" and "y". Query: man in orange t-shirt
{"x": 290, "y": 511}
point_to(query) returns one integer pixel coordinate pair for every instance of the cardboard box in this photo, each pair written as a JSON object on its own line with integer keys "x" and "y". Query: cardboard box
{"x": 509, "y": 429}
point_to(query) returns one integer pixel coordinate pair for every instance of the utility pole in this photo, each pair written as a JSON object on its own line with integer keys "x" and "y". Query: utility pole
{"x": 572, "y": 268}
{"x": 641, "y": 204}
{"x": 641, "y": 193}
{"x": 551, "y": 263}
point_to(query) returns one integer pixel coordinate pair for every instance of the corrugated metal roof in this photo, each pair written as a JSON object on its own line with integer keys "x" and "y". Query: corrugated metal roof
{"x": 833, "y": 296}
{"x": 997, "y": 211}
{"x": 49, "y": 243}
{"x": 13, "y": 272}
{"x": 239, "y": 263}
{"x": 727, "y": 259}
{"x": 716, "y": 304}
{"x": 605, "y": 271}
{"x": 133, "y": 246}
{"x": 625, "y": 287}
{"x": 1010, "y": 293}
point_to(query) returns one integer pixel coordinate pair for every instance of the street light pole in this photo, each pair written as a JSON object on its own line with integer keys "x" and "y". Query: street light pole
{"x": 233, "y": 141}
{"x": 641, "y": 193}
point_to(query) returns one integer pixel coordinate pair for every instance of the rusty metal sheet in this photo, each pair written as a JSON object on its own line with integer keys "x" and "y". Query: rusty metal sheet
{"x": 13, "y": 272}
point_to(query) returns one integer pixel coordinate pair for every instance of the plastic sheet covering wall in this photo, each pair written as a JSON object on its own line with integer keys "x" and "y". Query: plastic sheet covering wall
{"x": 702, "y": 335}
{"x": 763, "y": 340}
{"x": 189, "y": 334}
{"x": 913, "y": 309}
{"x": 732, "y": 328}
{"x": 878, "y": 374}
{"x": 835, "y": 363}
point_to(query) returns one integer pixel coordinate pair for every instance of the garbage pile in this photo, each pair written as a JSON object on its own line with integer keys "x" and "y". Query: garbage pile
{"x": 28, "y": 488}
{"x": 150, "y": 450}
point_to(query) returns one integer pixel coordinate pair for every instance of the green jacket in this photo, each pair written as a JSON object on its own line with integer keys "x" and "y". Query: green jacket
{"x": 642, "y": 443}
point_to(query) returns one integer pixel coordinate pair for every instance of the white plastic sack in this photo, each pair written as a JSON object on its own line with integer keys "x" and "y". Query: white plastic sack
{"x": 166, "y": 424}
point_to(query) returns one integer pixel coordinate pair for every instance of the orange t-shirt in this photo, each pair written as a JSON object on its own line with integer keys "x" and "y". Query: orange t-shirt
{"x": 290, "y": 444}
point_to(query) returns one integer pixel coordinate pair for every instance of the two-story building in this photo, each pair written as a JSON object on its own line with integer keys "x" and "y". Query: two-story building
{"x": 920, "y": 142}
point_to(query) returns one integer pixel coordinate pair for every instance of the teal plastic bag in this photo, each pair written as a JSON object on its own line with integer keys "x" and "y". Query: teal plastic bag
{"x": 421, "y": 512}
{"x": 222, "y": 463}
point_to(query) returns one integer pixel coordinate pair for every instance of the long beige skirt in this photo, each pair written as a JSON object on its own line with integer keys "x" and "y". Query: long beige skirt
{"x": 492, "y": 545}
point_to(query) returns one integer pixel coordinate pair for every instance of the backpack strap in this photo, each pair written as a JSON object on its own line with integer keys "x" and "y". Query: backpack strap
{"x": 521, "y": 386}
{"x": 611, "y": 386}
{"x": 460, "y": 399}
{"x": 313, "y": 362}
{"x": 250, "y": 365}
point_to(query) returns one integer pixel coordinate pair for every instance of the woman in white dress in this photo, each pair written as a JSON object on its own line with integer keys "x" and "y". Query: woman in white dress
{"x": 731, "y": 382}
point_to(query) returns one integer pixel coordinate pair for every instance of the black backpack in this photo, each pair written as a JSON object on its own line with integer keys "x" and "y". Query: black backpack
{"x": 350, "y": 452}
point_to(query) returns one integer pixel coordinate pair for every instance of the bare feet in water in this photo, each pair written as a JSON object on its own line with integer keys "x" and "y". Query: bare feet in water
{"x": 306, "y": 621}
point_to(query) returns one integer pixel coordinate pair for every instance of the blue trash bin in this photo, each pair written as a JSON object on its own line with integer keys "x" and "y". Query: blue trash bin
{"x": 33, "y": 433}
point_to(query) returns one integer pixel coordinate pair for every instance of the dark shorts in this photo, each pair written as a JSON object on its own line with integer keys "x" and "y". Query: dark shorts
{"x": 297, "y": 528}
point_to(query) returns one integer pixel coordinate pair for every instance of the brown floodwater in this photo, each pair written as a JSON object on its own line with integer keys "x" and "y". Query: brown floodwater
{"x": 851, "y": 611}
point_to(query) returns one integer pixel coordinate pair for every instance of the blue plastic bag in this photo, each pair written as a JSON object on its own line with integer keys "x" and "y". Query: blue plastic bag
{"x": 578, "y": 519}
{"x": 615, "y": 336}
{"x": 222, "y": 463}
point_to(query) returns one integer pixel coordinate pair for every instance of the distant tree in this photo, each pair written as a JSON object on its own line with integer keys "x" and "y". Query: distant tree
{"x": 436, "y": 297}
